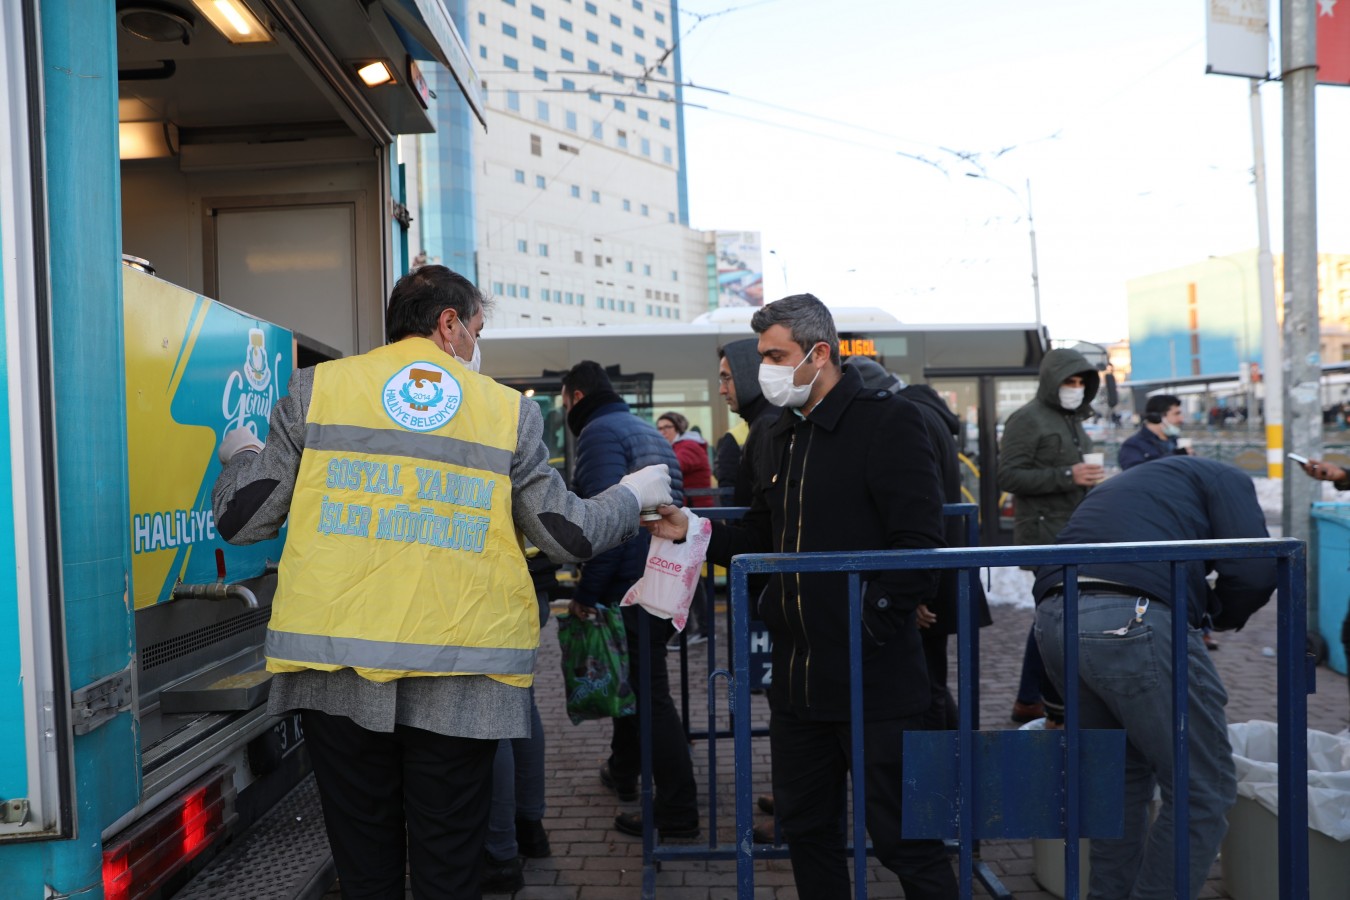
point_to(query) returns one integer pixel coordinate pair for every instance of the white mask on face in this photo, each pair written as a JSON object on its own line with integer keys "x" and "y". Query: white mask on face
{"x": 1171, "y": 430}
{"x": 778, "y": 387}
{"x": 475, "y": 359}
{"x": 1070, "y": 398}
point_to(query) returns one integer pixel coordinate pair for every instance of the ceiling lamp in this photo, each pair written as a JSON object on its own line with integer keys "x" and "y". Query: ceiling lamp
{"x": 146, "y": 140}
{"x": 234, "y": 20}
{"x": 375, "y": 73}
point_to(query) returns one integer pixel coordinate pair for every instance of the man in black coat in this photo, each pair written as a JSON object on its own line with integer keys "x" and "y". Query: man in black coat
{"x": 831, "y": 485}
{"x": 937, "y": 621}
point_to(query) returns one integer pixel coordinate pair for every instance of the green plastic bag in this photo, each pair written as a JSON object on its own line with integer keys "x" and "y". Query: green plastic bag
{"x": 595, "y": 666}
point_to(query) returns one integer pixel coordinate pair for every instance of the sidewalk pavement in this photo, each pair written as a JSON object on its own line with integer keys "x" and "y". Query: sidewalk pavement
{"x": 593, "y": 861}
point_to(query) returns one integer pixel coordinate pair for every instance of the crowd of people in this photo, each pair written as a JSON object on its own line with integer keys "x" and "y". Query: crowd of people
{"x": 405, "y": 624}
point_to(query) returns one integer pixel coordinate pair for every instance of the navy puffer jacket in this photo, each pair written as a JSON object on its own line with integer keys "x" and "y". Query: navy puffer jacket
{"x": 613, "y": 443}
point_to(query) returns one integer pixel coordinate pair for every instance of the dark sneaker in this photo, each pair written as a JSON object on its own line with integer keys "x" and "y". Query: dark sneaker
{"x": 501, "y": 876}
{"x": 626, "y": 790}
{"x": 631, "y": 824}
{"x": 765, "y": 803}
{"x": 532, "y": 839}
{"x": 1027, "y": 712}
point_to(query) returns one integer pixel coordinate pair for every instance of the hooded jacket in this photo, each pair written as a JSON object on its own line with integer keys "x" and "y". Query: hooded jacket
{"x": 612, "y": 442}
{"x": 1042, "y": 442}
{"x": 943, "y": 427}
{"x": 692, "y": 452}
{"x": 737, "y": 461}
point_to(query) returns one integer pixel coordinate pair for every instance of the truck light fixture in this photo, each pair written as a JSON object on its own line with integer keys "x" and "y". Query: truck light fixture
{"x": 146, "y": 140}
{"x": 375, "y": 73}
{"x": 234, "y": 20}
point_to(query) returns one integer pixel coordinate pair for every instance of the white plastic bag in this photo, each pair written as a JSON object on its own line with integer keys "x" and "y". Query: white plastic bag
{"x": 1255, "y": 755}
{"x": 671, "y": 575}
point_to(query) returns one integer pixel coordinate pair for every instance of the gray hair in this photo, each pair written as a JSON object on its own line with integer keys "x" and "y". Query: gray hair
{"x": 806, "y": 319}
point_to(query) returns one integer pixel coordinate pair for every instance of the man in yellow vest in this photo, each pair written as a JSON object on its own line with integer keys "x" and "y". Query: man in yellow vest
{"x": 405, "y": 625}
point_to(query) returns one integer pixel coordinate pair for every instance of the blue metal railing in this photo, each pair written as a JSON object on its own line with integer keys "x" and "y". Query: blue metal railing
{"x": 1069, "y": 746}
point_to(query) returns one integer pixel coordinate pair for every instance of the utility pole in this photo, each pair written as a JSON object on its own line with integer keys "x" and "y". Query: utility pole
{"x": 1301, "y": 360}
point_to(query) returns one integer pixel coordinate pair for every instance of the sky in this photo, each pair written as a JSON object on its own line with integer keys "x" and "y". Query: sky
{"x": 851, "y": 129}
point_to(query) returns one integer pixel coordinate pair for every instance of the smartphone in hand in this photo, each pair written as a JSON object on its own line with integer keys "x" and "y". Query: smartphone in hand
{"x": 1301, "y": 460}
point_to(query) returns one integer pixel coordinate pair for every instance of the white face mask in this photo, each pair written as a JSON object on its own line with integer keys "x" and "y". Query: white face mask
{"x": 778, "y": 387}
{"x": 476, "y": 359}
{"x": 1070, "y": 398}
{"x": 1171, "y": 430}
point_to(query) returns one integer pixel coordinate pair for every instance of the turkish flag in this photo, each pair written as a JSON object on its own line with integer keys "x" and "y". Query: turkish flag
{"x": 1333, "y": 42}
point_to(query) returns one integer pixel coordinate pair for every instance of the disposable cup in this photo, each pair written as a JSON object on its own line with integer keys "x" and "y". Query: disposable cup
{"x": 1094, "y": 459}
{"x": 1184, "y": 443}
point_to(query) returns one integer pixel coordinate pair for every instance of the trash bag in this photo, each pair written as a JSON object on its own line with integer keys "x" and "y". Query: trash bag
{"x": 595, "y": 666}
{"x": 1255, "y": 756}
{"x": 671, "y": 575}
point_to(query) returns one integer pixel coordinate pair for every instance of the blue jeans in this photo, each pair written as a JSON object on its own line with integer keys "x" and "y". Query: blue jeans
{"x": 1125, "y": 681}
{"x": 517, "y": 787}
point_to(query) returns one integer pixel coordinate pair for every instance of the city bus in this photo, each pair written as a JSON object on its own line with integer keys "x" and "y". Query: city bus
{"x": 984, "y": 371}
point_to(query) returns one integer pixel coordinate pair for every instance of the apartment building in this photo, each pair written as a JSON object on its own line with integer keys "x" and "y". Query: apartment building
{"x": 578, "y": 212}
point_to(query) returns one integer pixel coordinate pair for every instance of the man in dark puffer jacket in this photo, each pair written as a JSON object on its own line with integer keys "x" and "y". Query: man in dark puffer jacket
{"x": 611, "y": 442}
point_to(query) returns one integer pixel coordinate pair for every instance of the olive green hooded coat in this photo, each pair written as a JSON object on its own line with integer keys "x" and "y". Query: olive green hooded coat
{"x": 1041, "y": 443}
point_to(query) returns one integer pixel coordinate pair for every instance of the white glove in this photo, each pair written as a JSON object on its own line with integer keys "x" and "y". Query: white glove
{"x": 651, "y": 485}
{"x": 239, "y": 440}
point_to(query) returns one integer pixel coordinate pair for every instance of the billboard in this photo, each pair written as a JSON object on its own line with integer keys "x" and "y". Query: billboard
{"x": 740, "y": 273}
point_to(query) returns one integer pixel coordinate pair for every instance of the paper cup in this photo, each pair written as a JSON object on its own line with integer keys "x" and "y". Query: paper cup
{"x": 1094, "y": 459}
{"x": 1184, "y": 443}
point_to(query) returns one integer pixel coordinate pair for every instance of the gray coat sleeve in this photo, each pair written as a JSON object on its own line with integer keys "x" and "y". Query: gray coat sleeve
{"x": 252, "y": 494}
{"x": 558, "y": 522}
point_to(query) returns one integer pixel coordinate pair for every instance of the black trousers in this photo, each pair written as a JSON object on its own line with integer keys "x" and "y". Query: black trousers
{"x": 676, "y": 801}
{"x": 375, "y": 786}
{"x": 810, "y": 763}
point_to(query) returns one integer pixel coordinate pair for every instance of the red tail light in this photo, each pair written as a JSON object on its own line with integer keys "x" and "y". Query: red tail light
{"x": 139, "y": 860}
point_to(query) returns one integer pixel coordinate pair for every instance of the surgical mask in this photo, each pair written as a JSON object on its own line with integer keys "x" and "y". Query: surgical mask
{"x": 1071, "y": 398}
{"x": 777, "y": 385}
{"x": 1171, "y": 430}
{"x": 476, "y": 359}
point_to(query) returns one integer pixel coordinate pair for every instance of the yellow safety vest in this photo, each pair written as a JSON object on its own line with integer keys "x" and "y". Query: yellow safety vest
{"x": 401, "y": 556}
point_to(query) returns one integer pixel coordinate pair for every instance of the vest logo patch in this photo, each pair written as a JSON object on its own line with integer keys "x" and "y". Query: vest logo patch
{"x": 422, "y": 396}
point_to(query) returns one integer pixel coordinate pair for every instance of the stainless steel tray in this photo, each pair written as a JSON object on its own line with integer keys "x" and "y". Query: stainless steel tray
{"x": 236, "y": 684}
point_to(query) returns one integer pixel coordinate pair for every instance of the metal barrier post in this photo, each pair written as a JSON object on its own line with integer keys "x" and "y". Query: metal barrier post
{"x": 1181, "y": 739}
{"x": 1072, "y": 736}
{"x": 1292, "y": 690}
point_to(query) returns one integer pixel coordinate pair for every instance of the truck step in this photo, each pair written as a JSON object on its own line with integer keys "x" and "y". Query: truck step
{"x": 283, "y": 856}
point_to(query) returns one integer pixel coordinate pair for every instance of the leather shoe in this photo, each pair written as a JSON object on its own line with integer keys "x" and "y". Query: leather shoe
{"x": 626, "y": 790}
{"x": 765, "y": 803}
{"x": 1027, "y": 712}
{"x": 532, "y": 839}
{"x": 763, "y": 834}
{"x": 501, "y": 876}
{"x": 631, "y": 824}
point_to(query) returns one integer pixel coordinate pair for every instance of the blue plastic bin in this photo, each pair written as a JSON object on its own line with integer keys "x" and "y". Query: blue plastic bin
{"x": 1333, "y": 576}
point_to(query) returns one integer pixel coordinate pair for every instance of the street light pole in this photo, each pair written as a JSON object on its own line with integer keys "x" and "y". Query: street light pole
{"x": 1031, "y": 225}
{"x": 1244, "y": 354}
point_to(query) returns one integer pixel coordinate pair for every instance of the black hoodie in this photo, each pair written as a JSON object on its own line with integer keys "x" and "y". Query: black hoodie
{"x": 735, "y": 463}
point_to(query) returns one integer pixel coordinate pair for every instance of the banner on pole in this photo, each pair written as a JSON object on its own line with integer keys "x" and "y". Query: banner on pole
{"x": 1333, "y": 42}
{"x": 1237, "y": 38}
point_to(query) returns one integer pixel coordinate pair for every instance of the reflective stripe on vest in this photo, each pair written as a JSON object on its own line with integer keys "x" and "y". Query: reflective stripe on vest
{"x": 401, "y": 554}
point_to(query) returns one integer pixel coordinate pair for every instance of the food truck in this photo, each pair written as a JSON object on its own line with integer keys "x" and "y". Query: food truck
{"x": 196, "y": 198}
